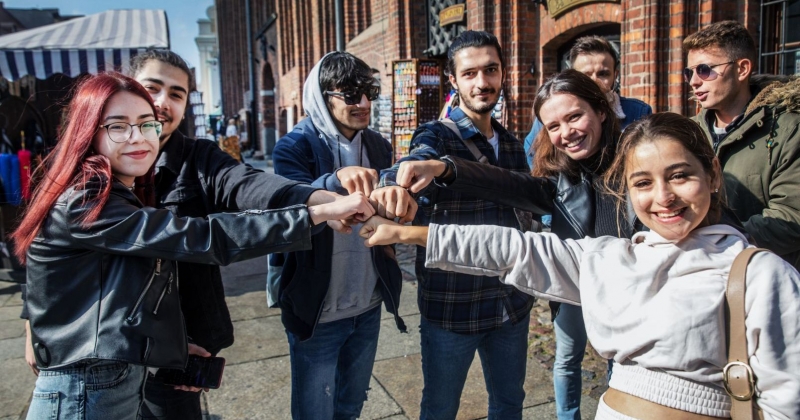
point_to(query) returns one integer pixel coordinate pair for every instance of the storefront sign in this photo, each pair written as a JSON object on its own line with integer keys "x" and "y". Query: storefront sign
{"x": 559, "y": 7}
{"x": 452, "y": 14}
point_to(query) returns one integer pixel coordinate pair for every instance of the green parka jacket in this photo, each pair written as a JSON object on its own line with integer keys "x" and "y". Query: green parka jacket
{"x": 760, "y": 160}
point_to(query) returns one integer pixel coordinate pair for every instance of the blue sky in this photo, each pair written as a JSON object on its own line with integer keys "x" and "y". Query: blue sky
{"x": 182, "y": 16}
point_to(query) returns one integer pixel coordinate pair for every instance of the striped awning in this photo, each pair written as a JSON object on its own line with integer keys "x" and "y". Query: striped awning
{"x": 91, "y": 44}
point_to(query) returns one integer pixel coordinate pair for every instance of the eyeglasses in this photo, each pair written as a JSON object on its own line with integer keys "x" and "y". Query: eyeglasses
{"x": 120, "y": 132}
{"x": 353, "y": 97}
{"x": 704, "y": 71}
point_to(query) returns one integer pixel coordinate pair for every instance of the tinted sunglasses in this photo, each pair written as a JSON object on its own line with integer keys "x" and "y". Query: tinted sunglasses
{"x": 704, "y": 71}
{"x": 353, "y": 97}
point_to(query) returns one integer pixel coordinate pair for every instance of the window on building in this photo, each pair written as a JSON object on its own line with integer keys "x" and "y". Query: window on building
{"x": 780, "y": 45}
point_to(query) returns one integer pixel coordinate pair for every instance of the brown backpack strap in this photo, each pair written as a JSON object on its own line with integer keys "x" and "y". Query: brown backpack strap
{"x": 737, "y": 376}
{"x": 447, "y": 122}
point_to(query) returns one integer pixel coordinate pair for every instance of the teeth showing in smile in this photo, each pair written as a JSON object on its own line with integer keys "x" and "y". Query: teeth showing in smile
{"x": 671, "y": 214}
{"x": 576, "y": 142}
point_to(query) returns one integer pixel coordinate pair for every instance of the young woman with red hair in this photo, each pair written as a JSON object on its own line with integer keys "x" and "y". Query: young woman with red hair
{"x": 101, "y": 290}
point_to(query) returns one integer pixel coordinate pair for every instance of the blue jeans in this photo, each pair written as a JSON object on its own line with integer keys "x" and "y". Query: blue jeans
{"x": 331, "y": 370}
{"x": 100, "y": 389}
{"x": 570, "y": 347}
{"x": 447, "y": 356}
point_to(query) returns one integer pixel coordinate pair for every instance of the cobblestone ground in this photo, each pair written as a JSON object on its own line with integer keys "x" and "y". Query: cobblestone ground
{"x": 542, "y": 342}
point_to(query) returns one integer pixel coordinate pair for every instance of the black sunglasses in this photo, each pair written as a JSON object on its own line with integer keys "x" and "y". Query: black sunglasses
{"x": 704, "y": 71}
{"x": 353, "y": 97}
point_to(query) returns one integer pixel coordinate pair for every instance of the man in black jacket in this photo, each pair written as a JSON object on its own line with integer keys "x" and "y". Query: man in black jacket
{"x": 196, "y": 178}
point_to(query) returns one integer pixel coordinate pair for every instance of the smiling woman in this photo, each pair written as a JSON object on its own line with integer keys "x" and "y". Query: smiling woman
{"x": 128, "y": 136}
{"x": 101, "y": 296}
{"x": 668, "y": 332}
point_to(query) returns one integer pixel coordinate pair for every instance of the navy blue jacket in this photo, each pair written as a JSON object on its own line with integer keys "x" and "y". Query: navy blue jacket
{"x": 303, "y": 156}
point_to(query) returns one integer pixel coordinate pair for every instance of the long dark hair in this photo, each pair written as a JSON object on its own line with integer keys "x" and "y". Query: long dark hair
{"x": 665, "y": 126}
{"x": 549, "y": 161}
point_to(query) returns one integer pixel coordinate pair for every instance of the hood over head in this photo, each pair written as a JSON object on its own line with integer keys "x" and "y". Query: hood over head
{"x": 316, "y": 107}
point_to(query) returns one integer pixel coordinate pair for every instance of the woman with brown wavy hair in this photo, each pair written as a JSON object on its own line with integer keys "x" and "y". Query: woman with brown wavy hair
{"x": 654, "y": 303}
{"x": 572, "y": 152}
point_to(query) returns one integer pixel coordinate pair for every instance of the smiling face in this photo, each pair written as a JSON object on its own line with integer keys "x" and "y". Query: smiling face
{"x": 573, "y": 126}
{"x": 478, "y": 78}
{"x": 135, "y": 156}
{"x": 669, "y": 188}
{"x": 169, "y": 87}
{"x": 349, "y": 119}
{"x": 598, "y": 66}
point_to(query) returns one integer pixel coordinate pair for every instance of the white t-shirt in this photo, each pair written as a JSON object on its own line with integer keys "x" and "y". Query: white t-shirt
{"x": 495, "y": 142}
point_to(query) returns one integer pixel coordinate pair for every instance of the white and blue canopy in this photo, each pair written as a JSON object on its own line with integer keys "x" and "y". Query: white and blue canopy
{"x": 90, "y": 44}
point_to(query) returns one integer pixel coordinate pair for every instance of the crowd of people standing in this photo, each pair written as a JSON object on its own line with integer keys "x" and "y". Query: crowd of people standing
{"x": 646, "y": 224}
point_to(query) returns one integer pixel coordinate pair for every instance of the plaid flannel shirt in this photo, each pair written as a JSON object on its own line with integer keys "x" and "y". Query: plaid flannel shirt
{"x": 458, "y": 302}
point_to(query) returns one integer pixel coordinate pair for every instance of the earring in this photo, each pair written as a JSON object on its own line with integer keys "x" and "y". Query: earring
{"x": 716, "y": 190}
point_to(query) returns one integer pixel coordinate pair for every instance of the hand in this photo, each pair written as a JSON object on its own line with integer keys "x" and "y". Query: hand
{"x": 29, "y": 358}
{"x": 355, "y": 206}
{"x": 379, "y": 231}
{"x": 196, "y": 350}
{"x": 416, "y": 175}
{"x": 391, "y": 202}
{"x": 358, "y": 179}
{"x": 340, "y": 226}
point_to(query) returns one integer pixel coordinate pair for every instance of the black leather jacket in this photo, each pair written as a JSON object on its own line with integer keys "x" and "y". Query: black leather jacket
{"x": 570, "y": 201}
{"x": 196, "y": 178}
{"x": 104, "y": 291}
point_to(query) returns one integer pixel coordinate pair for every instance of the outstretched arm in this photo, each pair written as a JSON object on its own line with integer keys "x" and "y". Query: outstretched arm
{"x": 380, "y": 231}
{"x": 539, "y": 264}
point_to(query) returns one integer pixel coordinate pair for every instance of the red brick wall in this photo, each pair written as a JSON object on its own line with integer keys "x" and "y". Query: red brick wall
{"x": 232, "y": 54}
{"x": 380, "y": 31}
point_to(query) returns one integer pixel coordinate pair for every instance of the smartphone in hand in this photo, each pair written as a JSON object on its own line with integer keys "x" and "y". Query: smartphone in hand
{"x": 200, "y": 372}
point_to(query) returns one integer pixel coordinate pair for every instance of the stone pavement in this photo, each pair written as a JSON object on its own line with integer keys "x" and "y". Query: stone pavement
{"x": 257, "y": 381}
{"x": 258, "y": 377}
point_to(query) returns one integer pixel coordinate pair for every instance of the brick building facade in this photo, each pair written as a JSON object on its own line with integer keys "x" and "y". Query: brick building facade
{"x": 535, "y": 35}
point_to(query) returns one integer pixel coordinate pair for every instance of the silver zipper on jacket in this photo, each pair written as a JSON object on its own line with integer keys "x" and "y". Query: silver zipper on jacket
{"x": 167, "y": 290}
{"x": 144, "y": 292}
{"x": 251, "y": 211}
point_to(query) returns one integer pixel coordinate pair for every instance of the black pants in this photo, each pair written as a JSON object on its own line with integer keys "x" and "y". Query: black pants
{"x": 164, "y": 402}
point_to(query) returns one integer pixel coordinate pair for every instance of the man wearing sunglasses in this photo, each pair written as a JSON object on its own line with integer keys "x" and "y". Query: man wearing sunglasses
{"x": 754, "y": 124}
{"x": 330, "y": 297}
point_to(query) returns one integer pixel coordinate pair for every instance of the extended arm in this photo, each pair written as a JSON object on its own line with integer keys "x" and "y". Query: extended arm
{"x": 513, "y": 189}
{"x": 234, "y": 186}
{"x": 537, "y": 264}
{"x": 123, "y": 228}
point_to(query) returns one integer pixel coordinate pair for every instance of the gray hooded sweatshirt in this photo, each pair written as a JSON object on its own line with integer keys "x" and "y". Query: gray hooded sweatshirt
{"x": 352, "y": 289}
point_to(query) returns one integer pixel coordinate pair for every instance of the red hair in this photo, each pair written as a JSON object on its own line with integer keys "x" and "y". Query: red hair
{"x": 74, "y": 162}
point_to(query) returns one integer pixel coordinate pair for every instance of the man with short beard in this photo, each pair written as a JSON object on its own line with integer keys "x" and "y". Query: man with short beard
{"x": 461, "y": 313}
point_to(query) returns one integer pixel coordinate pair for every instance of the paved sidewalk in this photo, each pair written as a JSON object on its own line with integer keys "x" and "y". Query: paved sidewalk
{"x": 257, "y": 377}
{"x": 258, "y": 372}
